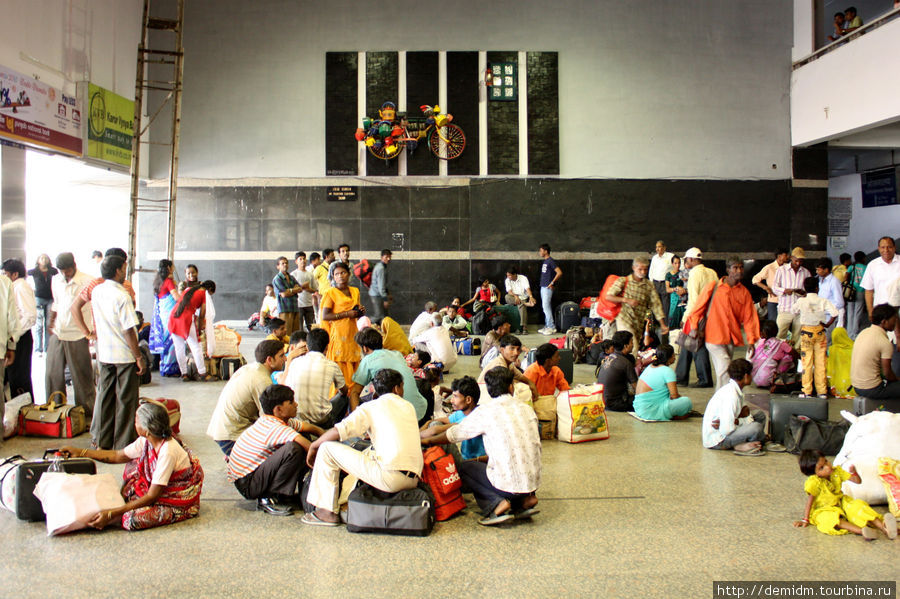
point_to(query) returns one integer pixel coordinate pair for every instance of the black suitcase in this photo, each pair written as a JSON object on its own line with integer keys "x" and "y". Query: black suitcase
{"x": 782, "y": 408}
{"x": 26, "y": 476}
{"x": 567, "y": 315}
{"x": 228, "y": 366}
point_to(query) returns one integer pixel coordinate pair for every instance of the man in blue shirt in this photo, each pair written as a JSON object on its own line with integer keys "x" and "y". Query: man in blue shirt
{"x": 286, "y": 290}
{"x": 378, "y": 290}
{"x": 550, "y": 273}
{"x": 830, "y": 289}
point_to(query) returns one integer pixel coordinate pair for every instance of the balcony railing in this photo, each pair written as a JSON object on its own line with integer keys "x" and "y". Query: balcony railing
{"x": 846, "y": 39}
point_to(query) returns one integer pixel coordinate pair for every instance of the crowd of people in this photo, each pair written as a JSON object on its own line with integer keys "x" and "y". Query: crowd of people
{"x": 329, "y": 375}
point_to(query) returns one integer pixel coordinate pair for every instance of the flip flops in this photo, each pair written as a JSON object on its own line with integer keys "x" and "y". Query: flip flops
{"x": 494, "y": 519}
{"x": 775, "y": 447}
{"x": 869, "y": 533}
{"x": 750, "y": 453}
{"x": 313, "y": 520}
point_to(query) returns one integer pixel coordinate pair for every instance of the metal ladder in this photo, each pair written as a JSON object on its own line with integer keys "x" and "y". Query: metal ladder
{"x": 160, "y": 70}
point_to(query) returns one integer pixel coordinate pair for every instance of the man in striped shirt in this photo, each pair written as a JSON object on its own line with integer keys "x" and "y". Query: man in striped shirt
{"x": 269, "y": 458}
{"x": 788, "y": 286}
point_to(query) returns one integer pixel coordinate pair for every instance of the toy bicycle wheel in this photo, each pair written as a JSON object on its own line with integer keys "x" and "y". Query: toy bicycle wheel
{"x": 382, "y": 153}
{"x": 453, "y": 138}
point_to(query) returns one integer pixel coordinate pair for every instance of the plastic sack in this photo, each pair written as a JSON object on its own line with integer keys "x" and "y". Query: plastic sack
{"x": 581, "y": 414}
{"x": 873, "y": 436}
{"x": 227, "y": 342}
{"x": 71, "y": 500}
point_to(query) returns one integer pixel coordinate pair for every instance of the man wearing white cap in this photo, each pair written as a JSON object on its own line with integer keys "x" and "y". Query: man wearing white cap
{"x": 700, "y": 276}
{"x": 788, "y": 286}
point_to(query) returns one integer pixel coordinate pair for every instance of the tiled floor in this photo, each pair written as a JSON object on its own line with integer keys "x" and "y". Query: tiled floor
{"x": 646, "y": 513}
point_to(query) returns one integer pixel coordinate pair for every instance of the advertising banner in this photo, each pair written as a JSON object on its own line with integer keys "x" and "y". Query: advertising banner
{"x": 34, "y": 113}
{"x": 110, "y": 126}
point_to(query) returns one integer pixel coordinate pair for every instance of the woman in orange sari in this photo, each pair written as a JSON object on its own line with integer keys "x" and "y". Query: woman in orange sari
{"x": 340, "y": 309}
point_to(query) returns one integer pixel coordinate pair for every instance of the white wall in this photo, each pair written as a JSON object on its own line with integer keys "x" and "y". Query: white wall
{"x": 858, "y": 83}
{"x": 75, "y": 40}
{"x": 804, "y": 29}
{"x": 647, "y": 90}
{"x": 867, "y": 225}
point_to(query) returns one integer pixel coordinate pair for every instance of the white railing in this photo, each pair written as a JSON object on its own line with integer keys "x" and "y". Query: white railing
{"x": 845, "y": 39}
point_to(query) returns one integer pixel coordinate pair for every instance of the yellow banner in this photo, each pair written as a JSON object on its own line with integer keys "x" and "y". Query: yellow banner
{"x": 110, "y": 126}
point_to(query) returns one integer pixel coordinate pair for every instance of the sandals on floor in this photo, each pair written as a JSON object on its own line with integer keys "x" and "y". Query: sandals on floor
{"x": 496, "y": 519}
{"x": 313, "y": 520}
{"x": 750, "y": 453}
{"x": 209, "y": 378}
{"x": 186, "y": 378}
{"x": 526, "y": 513}
{"x": 775, "y": 447}
{"x": 890, "y": 523}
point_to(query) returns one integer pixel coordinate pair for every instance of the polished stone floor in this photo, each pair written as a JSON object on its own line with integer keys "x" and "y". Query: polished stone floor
{"x": 646, "y": 513}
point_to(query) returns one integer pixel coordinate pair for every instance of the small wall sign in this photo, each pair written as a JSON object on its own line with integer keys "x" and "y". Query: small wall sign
{"x": 342, "y": 193}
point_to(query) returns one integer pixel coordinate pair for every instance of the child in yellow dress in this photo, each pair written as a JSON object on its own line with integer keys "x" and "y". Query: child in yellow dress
{"x": 832, "y": 512}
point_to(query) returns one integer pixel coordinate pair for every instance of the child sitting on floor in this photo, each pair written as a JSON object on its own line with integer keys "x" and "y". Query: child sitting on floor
{"x": 832, "y": 512}
{"x": 464, "y": 399}
{"x": 278, "y": 331}
{"x": 417, "y": 361}
{"x": 773, "y": 360}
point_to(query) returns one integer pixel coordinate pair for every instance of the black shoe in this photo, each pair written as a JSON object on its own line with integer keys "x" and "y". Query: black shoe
{"x": 272, "y": 507}
{"x": 700, "y": 385}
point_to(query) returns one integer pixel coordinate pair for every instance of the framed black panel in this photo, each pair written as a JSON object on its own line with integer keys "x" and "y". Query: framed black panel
{"x": 382, "y": 77}
{"x": 421, "y": 88}
{"x": 542, "y": 74}
{"x": 340, "y": 113}
{"x": 503, "y": 128}
{"x": 462, "y": 102}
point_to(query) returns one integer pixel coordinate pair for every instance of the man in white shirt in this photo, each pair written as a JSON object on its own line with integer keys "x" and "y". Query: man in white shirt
{"x": 505, "y": 487}
{"x": 18, "y": 374}
{"x": 765, "y": 278}
{"x": 660, "y": 264}
{"x": 67, "y": 345}
{"x": 305, "y": 298}
{"x": 238, "y": 406}
{"x": 393, "y": 462}
{"x": 119, "y": 357}
{"x": 423, "y": 321}
{"x": 788, "y": 286}
{"x": 436, "y": 341}
{"x": 518, "y": 294}
{"x": 880, "y": 274}
{"x": 728, "y": 423}
{"x": 9, "y": 323}
{"x": 312, "y": 376}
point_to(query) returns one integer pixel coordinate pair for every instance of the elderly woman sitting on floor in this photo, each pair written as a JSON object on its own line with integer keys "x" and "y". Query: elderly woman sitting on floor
{"x": 163, "y": 478}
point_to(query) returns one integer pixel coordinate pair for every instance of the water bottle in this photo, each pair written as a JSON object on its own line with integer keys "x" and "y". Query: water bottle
{"x": 56, "y": 462}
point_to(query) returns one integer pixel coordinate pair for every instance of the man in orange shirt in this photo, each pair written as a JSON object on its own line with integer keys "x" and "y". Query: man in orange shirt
{"x": 544, "y": 372}
{"x": 732, "y": 308}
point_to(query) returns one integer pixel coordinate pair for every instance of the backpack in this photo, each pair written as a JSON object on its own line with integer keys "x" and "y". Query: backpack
{"x": 440, "y": 474}
{"x": 481, "y": 322}
{"x": 363, "y": 272}
{"x": 577, "y": 341}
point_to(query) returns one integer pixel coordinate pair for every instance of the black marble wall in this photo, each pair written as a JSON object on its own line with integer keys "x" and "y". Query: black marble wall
{"x": 441, "y": 228}
{"x": 340, "y": 113}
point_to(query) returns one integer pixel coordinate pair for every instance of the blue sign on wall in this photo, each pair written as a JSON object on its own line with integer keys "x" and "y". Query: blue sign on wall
{"x": 879, "y": 188}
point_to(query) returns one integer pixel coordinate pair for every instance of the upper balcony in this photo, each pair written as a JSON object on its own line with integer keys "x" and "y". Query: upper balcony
{"x": 846, "y": 93}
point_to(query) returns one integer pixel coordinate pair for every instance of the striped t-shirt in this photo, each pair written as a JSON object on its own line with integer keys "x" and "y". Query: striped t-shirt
{"x": 258, "y": 442}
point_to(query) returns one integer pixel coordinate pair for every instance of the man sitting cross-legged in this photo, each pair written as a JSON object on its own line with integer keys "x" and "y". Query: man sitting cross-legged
{"x": 393, "y": 462}
{"x": 238, "y": 406}
{"x": 311, "y": 377}
{"x": 505, "y": 487}
{"x": 269, "y": 458}
{"x": 728, "y": 422}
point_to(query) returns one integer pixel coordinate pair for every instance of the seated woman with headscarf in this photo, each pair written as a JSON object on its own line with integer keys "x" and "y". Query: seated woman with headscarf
{"x": 394, "y": 337}
{"x": 163, "y": 478}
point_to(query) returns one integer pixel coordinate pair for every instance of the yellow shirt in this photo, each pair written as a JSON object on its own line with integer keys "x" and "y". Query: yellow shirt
{"x": 321, "y": 275}
{"x": 840, "y": 273}
{"x": 700, "y": 277}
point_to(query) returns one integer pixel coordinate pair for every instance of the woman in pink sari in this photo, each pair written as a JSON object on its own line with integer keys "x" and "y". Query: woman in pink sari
{"x": 163, "y": 478}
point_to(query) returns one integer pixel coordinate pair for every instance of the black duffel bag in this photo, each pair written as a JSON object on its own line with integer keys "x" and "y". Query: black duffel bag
{"x": 804, "y": 433}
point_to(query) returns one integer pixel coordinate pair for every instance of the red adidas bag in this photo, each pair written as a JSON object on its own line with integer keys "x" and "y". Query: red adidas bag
{"x": 363, "y": 272}
{"x": 606, "y": 309}
{"x": 440, "y": 474}
{"x": 587, "y": 302}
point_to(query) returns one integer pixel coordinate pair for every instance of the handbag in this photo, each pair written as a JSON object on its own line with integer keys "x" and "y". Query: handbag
{"x": 848, "y": 289}
{"x": 61, "y": 420}
{"x": 409, "y": 512}
{"x": 694, "y": 340}
{"x": 805, "y": 433}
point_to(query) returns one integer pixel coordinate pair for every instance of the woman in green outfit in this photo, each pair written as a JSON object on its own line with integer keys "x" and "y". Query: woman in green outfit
{"x": 675, "y": 287}
{"x": 657, "y": 395}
